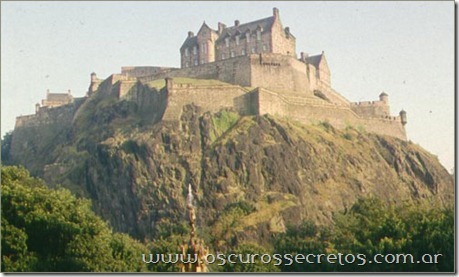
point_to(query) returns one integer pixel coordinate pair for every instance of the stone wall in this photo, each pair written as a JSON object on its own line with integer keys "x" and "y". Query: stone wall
{"x": 141, "y": 71}
{"x": 313, "y": 111}
{"x": 234, "y": 71}
{"x": 371, "y": 108}
{"x": 279, "y": 72}
{"x": 282, "y": 42}
{"x": 210, "y": 98}
{"x": 274, "y": 71}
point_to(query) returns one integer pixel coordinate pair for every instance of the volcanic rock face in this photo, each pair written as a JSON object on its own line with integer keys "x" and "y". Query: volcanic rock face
{"x": 258, "y": 173}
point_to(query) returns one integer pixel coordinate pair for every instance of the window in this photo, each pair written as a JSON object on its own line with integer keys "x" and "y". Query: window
{"x": 223, "y": 56}
{"x": 195, "y": 50}
{"x": 247, "y": 36}
{"x": 186, "y": 52}
{"x": 187, "y": 64}
{"x": 243, "y": 52}
{"x": 232, "y": 54}
{"x": 237, "y": 40}
{"x": 227, "y": 42}
{"x": 196, "y": 62}
{"x": 258, "y": 35}
{"x": 204, "y": 48}
{"x": 265, "y": 48}
{"x": 202, "y": 61}
{"x": 253, "y": 50}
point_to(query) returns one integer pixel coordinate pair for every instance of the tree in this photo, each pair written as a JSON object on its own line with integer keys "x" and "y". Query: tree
{"x": 53, "y": 231}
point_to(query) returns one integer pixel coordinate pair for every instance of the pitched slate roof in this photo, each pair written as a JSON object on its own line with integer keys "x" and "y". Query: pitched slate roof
{"x": 314, "y": 60}
{"x": 190, "y": 42}
{"x": 265, "y": 24}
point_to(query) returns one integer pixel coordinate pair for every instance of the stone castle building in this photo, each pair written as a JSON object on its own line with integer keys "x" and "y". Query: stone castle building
{"x": 259, "y": 73}
{"x": 262, "y": 36}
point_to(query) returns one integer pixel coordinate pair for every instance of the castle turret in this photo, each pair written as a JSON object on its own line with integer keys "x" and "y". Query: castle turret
{"x": 384, "y": 97}
{"x": 403, "y": 117}
{"x": 276, "y": 12}
{"x": 94, "y": 85}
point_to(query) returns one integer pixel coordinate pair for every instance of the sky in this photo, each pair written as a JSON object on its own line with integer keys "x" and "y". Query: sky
{"x": 405, "y": 49}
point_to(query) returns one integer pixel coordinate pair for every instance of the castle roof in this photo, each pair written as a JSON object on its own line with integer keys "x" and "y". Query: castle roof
{"x": 314, "y": 60}
{"x": 265, "y": 24}
{"x": 190, "y": 42}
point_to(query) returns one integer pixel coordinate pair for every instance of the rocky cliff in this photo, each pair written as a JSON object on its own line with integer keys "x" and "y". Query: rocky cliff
{"x": 258, "y": 173}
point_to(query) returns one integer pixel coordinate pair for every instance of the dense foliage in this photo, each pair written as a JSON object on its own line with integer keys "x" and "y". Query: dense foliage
{"x": 47, "y": 230}
{"x": 372, "y": 227}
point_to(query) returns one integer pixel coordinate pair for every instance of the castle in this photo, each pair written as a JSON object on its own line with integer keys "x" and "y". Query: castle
{"x": 259, "y": 73}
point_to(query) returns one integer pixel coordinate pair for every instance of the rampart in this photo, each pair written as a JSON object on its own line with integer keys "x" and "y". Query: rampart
{"x": 275, "y": 71}
{"x": 208, "y": 97}
{"x": 371, "y": 108}
{"x": 309, "y": 111}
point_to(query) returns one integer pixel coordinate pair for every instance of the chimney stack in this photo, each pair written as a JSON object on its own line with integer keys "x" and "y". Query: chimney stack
{"x": 236, "y": 22}
{"x": 221, "y": 26}
{"x": 276, "y": 12}
{"x": 190, "y": 34}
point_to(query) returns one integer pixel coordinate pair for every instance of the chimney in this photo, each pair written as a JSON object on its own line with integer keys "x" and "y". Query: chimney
{"x": 304, "y": 56}
{"x": 236, "y": 22}
{"x": 287, "y": 30}
{"x": 190, "y": 34}
{"x": 221, "y": 26}
{"x": 276, "y": 12}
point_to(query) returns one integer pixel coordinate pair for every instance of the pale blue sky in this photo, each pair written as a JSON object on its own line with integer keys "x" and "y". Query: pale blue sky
{"x": 403, "y": 48}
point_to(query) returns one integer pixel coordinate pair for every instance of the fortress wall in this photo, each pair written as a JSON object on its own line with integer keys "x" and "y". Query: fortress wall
{"x": 141, "y": 71}
{"x": 234, "y": 71}
{"x": 279, "y": 72}
{"x": 37, "y": 135}
{"x": 371, "y": 108}
{"x": 331, "y": 94}
{"x": 339, "y": 117}
{"x": 210, "y": 98}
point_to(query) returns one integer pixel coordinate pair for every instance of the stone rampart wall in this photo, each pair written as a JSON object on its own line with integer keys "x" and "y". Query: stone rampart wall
{"x": 371, "y": 108}
{"x": 316, "y": 111}
{"x": 210, "y": 98}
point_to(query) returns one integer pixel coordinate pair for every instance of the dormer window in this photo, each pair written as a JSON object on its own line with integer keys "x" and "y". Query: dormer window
{"x": 227, "y": 42}
{"x": 237, "y": 40}
{"x": 187, "y": 53}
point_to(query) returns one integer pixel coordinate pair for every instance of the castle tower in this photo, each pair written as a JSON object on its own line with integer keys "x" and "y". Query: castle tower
{"x": 403, "y": 117}
{"x": 94, "y": 84}
{"x": 384, "y": 97}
